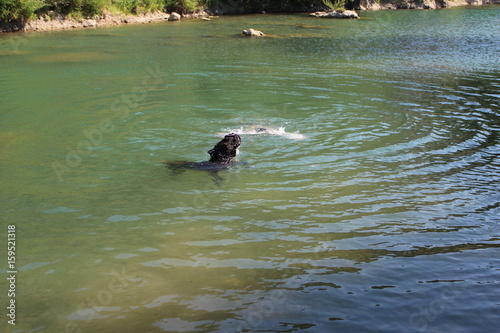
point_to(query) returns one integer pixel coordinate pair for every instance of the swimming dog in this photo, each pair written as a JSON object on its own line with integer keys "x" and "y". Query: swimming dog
{"x": 226, "y": 149}
{"x": 221, "y": 156}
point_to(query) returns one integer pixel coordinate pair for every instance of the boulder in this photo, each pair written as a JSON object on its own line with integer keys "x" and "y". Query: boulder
{"x": 174, "y": 17}
{"x": 89, "y": 23}
{"x": 337, "y": 14}
{"x": 253, "y": 33}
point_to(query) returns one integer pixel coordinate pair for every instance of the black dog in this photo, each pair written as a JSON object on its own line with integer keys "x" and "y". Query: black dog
{"x": 227, "y": 148}
{"x": 220, "y": 156}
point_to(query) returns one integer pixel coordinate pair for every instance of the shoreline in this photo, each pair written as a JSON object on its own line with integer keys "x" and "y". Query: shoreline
{"x": 46, "y": 23}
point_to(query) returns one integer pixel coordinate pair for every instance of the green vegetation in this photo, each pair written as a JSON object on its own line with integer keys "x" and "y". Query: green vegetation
{"x": 184, "y": 6}
{"x": 19, "y": 11}
{"x": 335, "y": 4}
{"x": 22, "y": 10}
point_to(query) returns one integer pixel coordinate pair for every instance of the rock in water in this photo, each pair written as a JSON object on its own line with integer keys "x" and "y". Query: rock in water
{"x": 174, "y": 17}
{"x": 337, "y": 14}
{"x": 253, "y": 33}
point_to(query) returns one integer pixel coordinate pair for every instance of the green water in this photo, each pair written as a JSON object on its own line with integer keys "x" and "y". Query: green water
{"x": 376, "y": 211}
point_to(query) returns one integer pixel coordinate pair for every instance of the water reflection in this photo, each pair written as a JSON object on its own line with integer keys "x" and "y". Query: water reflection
{"x": 71, "y": 57}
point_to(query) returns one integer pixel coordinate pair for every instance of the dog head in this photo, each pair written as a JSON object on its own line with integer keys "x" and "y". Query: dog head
{"x": 227, "y": 148}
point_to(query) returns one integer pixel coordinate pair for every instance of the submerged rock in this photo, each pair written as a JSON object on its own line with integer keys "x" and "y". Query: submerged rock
{"x": 337, "y": 14}
{"x": 253, "y": 33}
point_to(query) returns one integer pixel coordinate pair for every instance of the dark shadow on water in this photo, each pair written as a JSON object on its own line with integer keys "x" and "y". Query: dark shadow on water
{"x": 213, "y": 169}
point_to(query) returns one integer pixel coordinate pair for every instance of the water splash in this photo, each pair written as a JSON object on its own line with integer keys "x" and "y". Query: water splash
{"x": 256, "y": 130}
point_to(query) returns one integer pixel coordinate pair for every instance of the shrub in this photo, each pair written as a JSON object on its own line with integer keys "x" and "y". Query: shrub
{"x": 18, "y": 10}
{"x": 182, "y": 6}
{"x": 138, "y": 6}
{"x": 94, "y": 7}
{"x": 126, "y": 6}
{"x": 80, "y": 7}
{"x": 335, "y": 5}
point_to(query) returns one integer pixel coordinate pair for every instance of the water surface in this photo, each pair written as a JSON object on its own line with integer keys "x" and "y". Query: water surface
{"x": 375, "y": 209}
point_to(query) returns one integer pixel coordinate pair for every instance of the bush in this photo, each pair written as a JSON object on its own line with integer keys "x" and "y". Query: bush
{"x": 126, "y": 6}
{"x": 80, "y": 7}
{"x": 335, "y": 4}
{"x": 94, "y": 7}
{"x": 18, "y": 10}
{"x": 183, "y": 6}
{"x": 139, "y": 6}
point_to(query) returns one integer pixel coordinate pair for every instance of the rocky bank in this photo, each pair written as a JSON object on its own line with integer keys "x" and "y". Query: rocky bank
{"x": 51, "y": 21}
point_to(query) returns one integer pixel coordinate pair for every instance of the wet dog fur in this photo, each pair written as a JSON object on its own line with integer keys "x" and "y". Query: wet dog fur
{"x": 226, "y": 149}
{"x": 221, "y": 156}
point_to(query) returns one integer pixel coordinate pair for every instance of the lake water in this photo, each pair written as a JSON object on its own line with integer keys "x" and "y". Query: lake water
{"x": 373, "y": 207}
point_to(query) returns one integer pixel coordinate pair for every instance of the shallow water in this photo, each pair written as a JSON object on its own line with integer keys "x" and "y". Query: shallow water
{"x": 372, "y": 206}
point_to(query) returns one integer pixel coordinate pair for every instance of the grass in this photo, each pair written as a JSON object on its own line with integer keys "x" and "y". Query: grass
{"x": 337, "y": 4}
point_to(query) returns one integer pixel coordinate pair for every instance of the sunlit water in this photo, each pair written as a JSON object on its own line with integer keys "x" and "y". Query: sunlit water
{"x": 370, "y": 205}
